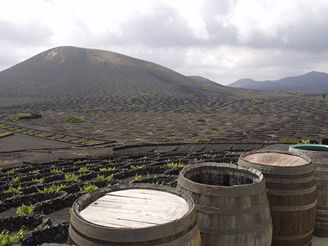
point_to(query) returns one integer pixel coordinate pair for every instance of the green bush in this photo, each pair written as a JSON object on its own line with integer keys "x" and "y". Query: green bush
{"x": 37, "y": 171}
{"x": 300, "y": 94}
{"x": 175, "y": 164}
{"x": 134, "y": 98}
{"x": 12, "y": 171}
{"x": 15, "y": 179}
{"x": 24, "y": 210}
{"x": 9, "y": 238}
{"x": 88, "y": 188}
{"x": 105, "y": 169}
{"x": 20, "y": 116}
{"x": 74, "y": 119}
{"x": 71, "y": 177}
{"x": 136, "y": 167}
{"x": 12, "y": 189}
{"x": 256, "y": 101}
{"x": 86, "y": 141}
{"x": 290, "y": 140}
{"x": 6, "y": 134}
{"x": 103, "y": 177}
{"x": 40, "y": 180}
{"x": 84, "y": 170}
{"x": 56, "y": 170}
{"x": 137, "y": 177}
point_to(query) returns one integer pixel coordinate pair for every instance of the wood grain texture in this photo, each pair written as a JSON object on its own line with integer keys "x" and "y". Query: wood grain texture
{"x": 292, "y": 197}
{"x": 276, "y": 159}
{"x": 135, "y": 208}
{"x": 320, "y": 162}
{"x": 134, "y": 214}
{"x": 226, "y": 218}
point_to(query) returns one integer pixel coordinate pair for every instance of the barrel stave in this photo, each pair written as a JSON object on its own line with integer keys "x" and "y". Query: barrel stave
{"x": 230, "y": 215}
{"x": 319, "y": 156}
{"x": 292, "y": 194}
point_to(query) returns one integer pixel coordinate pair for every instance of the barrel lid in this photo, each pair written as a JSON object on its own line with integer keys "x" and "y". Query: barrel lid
{"x": 155, "y": 232}
{"x": 276, "y": 159}
{"x": 135, "y": 208}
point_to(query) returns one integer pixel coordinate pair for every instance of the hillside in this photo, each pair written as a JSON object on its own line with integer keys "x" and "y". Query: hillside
{"x": 226, "y": 90}
{"x": 88, "y": 73}
{"x": 310, "y": 82}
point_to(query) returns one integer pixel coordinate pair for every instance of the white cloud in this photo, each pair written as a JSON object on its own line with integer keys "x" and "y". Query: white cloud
{"x": 227, "y": 64}
{"x": 291, "y": 24}
{"x": 222, "y": 40}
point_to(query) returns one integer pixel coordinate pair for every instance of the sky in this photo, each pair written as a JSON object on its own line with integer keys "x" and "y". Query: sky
{"x": 223, "y": 40}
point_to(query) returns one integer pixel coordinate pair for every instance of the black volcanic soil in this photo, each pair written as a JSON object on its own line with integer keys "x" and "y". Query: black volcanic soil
{"x": 186, "y": 119}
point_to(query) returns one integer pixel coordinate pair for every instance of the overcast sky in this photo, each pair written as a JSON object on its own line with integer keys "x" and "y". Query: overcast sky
{"x": 223, "y": 40}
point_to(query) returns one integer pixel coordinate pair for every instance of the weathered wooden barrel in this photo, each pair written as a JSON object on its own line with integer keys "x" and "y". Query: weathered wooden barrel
{"x": 292, "y": 194}
{"x": 319, "y": 156}
{"x": 134, "y": 215}
{"x": 231, "y": 203}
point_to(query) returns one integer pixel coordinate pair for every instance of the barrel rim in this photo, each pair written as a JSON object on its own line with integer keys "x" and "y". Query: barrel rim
{"x": 308, "y": 159}
{"x": 223, "y": 190}
{"x": 322, "y": 148}
{"x": 183, "y": 224}
{"x": 317, "y": 156}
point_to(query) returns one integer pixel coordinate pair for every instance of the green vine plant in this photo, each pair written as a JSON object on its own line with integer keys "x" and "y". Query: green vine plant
{"x": 24, "y": 210}
{"x": 88, "y": 188}
{"x": 9, "y": 238}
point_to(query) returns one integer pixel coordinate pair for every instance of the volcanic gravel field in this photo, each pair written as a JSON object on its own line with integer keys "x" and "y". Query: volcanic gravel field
{"x": 189, "y": 119}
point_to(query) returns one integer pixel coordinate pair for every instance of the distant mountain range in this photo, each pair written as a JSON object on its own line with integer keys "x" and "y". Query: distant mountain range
{"x": 224, "y": 90}
{"x": 72, "y": 72}
{"x": 312, "y": 82}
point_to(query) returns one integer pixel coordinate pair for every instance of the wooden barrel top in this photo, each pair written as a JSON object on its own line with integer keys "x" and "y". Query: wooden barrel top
{"x": 276, "y": 159}
{"x": 135, "y": 208}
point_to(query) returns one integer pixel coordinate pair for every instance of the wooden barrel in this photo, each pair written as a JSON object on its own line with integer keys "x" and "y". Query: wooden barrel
{"x": 292, "y": 194}
{"x": 319, "y": 156}
{"x": 134, "y": 215}
{"x": 231, "y": 203}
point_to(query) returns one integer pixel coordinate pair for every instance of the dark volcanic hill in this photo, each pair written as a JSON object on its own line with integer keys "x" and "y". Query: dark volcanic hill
{"x": 77, "y": 72}
{"x": 310, "y": 82}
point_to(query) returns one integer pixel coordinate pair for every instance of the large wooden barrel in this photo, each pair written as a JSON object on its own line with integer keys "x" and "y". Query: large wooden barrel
{"x": 231, "y": 202}
{"x": 292, "y": 194}
{"x": 319, "y": 156}
{"x": 134, "y": 215}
